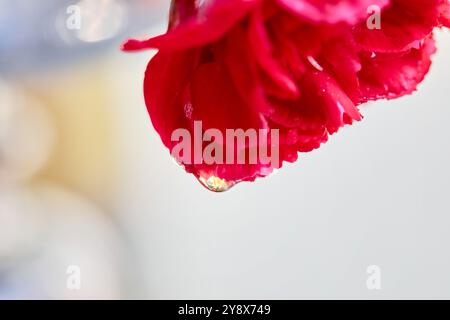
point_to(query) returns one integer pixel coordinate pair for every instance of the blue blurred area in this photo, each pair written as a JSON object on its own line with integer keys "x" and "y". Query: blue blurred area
{"x": 34, "y": 34}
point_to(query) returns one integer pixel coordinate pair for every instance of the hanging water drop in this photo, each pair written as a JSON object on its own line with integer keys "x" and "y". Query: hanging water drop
{"x": 216, "y": 184}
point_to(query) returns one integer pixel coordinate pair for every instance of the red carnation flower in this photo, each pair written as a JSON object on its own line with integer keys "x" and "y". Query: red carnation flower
{"x": 301, "y": 67}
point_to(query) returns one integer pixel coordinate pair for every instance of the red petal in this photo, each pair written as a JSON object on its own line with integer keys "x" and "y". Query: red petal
{"x": 323, "y": 104}
{"x": 445, "y": 13}
{"x": 403, "y": 25}
{"x": 279, "y": 81}
{"x": 392, "y": 75}
{"x": 339, "y": 57}
{"x": 331, "y": 11}
{"x": 242, "y": 68}
{"x": 217, "y": 103}
{"x": 165, "y": 90}
{"x": 174, "y": 81}
{"x": 210, "y": 23}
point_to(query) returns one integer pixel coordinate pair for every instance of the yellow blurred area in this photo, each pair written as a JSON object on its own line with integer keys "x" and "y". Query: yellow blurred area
{"x": 80, "y": 105}
{"x": 57, "y": 162}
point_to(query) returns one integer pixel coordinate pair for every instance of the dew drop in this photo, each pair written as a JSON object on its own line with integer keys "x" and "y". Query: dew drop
{"x": 216, "y": 184}
{"x": 314, "y": 63}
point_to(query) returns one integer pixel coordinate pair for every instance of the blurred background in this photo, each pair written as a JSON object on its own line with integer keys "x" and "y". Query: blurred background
{"x": 85, "y": 182}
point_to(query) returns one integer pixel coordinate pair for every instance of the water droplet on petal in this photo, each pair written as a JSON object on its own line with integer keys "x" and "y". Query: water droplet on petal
{"x": 216, "y": 184}
{"x": 314, "y": 63}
